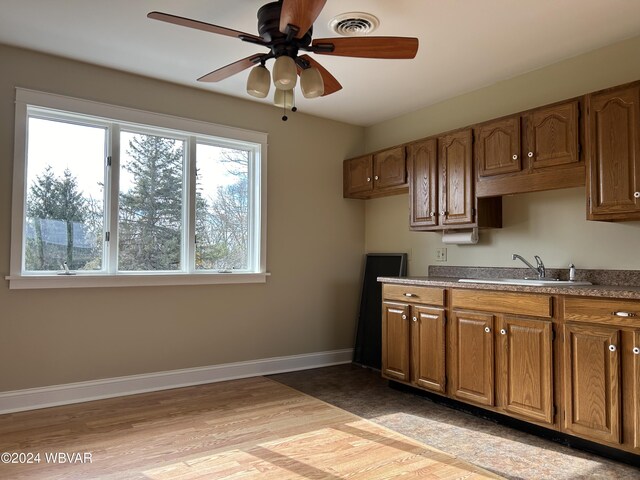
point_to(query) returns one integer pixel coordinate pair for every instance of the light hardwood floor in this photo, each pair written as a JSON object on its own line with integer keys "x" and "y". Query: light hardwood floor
{"x": 243, "y": 429}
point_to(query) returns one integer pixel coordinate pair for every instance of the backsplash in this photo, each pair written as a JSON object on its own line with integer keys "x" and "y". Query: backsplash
{"x": 623, "y": 278}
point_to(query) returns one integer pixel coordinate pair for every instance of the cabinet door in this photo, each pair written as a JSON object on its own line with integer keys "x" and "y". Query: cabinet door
{"x": 551, "y": 136}
{"x": 614, "y": 154}
{"x": 527, "y": 368}
{"x": 472, "y": 344}
{"x": 423, "y": 183}
{"x": 498, "y": 147}
{"x": 390, "y": 168}
{"x": 428, "y": 348}
{"x": 358, "y": 177}
{"x": 636, "y": 389}
{"x": 592, "y": 381}
{"x": 455, "y": 171}
{"x": 396, "y": 341}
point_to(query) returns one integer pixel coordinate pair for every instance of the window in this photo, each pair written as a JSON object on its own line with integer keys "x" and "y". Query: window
{"x": 109, "y": 196}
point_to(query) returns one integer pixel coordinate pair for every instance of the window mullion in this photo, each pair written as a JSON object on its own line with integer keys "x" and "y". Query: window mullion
{"x": 113, "y": 198}
{"x": 190, "y": 211}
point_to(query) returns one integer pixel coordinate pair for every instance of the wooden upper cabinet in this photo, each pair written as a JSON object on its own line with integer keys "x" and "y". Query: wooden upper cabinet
{"x": 613, "y": 154}
{"x": 527, "y": 368}
{"x": 390, "y": 168}
{"x": 455, "y": 178}
{"x": 358, "y": 175}
{"x": 377, "y": 175}
{"x": 498, "y": 147}
{"x": 533, "y": 151}
{"x": 592, "y": 381}
{"x": 422, "y": 164}
{"x": 551, "y": 136}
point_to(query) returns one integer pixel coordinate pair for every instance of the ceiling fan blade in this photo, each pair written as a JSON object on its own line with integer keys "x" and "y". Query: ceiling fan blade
{"x": 231, "y": 69}
{"x": 331, "y": 85}
{"x": 369, "y": 47}
{"x": 300, "y": 13}
{"x": 198, "y": 25}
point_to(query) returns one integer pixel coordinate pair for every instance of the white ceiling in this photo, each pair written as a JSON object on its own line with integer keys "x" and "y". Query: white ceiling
{"x": 464, "y": 44}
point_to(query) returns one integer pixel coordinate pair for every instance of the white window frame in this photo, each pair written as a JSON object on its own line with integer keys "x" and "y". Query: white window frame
{"x": 153, "y": 122}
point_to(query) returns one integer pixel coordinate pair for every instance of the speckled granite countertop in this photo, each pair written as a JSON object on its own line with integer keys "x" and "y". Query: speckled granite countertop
{"x": 605, "y": 291}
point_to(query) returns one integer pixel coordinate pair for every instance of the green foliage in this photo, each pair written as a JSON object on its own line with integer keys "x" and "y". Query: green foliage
{"x": 150, "y": 229}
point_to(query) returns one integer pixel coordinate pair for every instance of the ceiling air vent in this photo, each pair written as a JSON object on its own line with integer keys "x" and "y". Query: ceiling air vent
{"x": 353, "y": 24}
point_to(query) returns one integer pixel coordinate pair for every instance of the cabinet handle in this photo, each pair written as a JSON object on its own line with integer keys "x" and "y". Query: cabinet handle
{"x": 487, "y": 329}
{"x": 624, "y": 314}
{"x": 415, "y": 319}
{"x": 503, "y": 332}
{"x": 636, "y": 351}
{"x": 410, "y": 295}
{"x": 612, "y": 348}
{"x": 376, "y": 177}
{"x": 530, "y": 155}
{"x": 368, "y": 179}
{"x": 404, "y": 317}
{"x": 636, "y": 194}
{"x": 515, "y": 157}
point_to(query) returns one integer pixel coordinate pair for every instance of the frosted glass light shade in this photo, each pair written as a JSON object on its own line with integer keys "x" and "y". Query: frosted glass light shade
{"x": 285, "y": 73}
{"x": 259, "y": 82}
{"x": 311, "y": 83}
{"x": 283, "y": 98}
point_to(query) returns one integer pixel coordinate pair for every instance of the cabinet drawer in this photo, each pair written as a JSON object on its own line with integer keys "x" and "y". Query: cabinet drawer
{"x": 532, "y": 304}
{"x": 413, "y": 294}
{"x": 602, "y": 310}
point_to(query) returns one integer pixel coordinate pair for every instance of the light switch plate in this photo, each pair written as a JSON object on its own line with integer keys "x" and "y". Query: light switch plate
{"x": 441, "y": 254}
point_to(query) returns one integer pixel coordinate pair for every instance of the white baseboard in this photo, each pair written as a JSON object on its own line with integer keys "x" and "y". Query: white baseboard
{"x": 34, "y": 398}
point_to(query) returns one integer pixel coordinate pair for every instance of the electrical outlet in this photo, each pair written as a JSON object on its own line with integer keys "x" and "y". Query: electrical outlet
{"x": 441, "y": 254}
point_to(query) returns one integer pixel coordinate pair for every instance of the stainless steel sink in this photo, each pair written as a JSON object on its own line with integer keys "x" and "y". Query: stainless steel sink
{"x": 532, "y": 282}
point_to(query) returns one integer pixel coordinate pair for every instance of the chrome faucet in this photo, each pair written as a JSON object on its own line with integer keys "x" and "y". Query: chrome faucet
{"x": 540, "y": 270}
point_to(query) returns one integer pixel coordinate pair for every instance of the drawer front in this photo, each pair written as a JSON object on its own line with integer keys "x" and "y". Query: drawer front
{"x": 532, "y": 304}
{"x": 602, "y": 310}
{"x": 413, "y": 294}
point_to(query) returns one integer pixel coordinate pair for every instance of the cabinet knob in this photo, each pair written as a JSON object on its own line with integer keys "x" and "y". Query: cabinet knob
{"x": 612, "y": 348}
{"x": 442, "y": 212}
{"x": 487, "y": 329}
{"x": 368, "y": 179}
{"x": 624, "y": 314}
{"x": 404, "y": 317}
{"x": 515, "y": 156}
{"x": 636, "y": 351}
{"x": 415, "y": 319}
{"x": 431, "y": 214}
{"x": 636, "y": 194}
{"x": 530, "y": 155}
{"x": 376, "y": 177}
{"x": 503, "y": 332}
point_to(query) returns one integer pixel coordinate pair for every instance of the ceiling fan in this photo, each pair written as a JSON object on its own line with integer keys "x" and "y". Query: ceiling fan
{"x": 285, "y": 27}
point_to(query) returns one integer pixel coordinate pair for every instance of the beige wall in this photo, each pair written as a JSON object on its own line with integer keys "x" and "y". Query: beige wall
{"x": 549, "y": 224}
{"x": 315, "y": 245}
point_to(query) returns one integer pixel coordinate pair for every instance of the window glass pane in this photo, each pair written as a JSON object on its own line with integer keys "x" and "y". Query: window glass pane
{"x": 151, "y": 203}
{"x": 64, "y": 220}
{"x": 222, "y": 215}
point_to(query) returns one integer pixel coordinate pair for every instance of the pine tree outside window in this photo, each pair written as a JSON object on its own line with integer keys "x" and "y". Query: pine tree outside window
{"x": 105, "y": 201}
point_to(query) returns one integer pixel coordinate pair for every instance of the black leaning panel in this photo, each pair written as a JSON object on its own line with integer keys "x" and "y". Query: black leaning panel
{"x": 368, "y": 348}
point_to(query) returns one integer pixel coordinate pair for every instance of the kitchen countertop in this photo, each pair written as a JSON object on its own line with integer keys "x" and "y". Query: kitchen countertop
{"x": 603, "y": 291}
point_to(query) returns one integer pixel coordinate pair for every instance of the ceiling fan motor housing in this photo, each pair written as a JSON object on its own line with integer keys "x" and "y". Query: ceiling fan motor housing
{"x": 269, "y": 30}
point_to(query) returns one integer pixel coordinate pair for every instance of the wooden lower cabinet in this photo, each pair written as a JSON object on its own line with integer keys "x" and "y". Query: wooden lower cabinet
{"x": 472, "y": 345}
{"x": 635, "y": 379}
{"x": 592, "y": 381}
{"x": 526, "y": 367}
{"x": 428, "y": 348}
{"x": 396, "y": 341}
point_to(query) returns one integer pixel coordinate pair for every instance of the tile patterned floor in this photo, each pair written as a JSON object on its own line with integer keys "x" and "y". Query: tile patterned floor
{"x": 502, "y": 450}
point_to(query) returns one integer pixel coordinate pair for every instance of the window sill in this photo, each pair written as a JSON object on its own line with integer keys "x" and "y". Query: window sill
{"x": 26, "y": 282}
